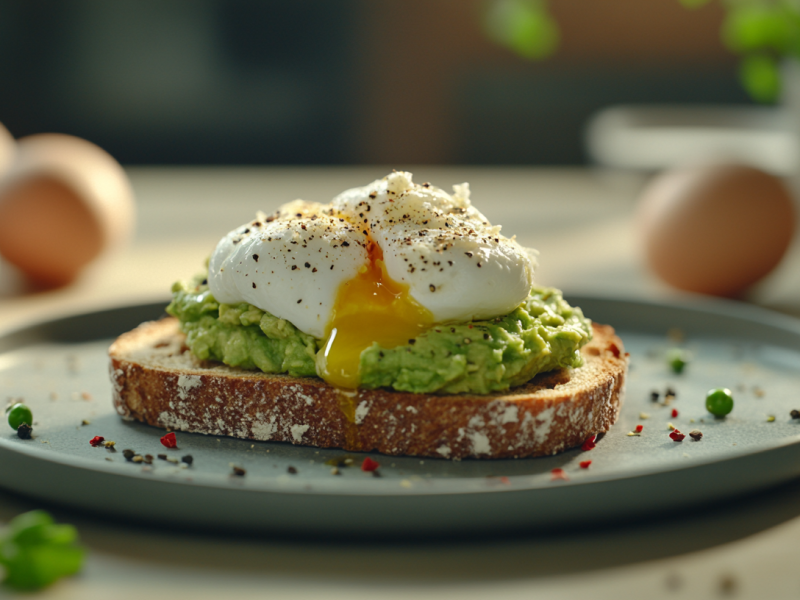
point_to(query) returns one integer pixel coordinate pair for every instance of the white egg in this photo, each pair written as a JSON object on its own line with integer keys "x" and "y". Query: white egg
{"x": 291, "y": 266}
{"x": 455, "y": 263}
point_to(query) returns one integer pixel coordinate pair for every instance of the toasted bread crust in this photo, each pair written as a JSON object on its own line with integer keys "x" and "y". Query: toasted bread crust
{"x": 156, "y": 380}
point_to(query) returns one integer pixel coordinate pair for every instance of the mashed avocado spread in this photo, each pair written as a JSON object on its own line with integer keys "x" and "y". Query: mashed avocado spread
{"x": 542, "y": 334}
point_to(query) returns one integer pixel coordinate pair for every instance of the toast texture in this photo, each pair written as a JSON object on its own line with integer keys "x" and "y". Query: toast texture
{"x": 157, "y": 380}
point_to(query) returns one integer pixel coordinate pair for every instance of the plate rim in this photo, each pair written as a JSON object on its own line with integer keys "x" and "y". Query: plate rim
{"x": 388, "y": 487}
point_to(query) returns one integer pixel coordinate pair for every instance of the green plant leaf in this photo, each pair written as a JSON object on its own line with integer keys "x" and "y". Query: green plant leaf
{"x": 760, "y": 76}
{"x": 524, "y": 26}
{"x": 757, "y": 26}
{"x": 694, "y": 3}
{"x": 35, "y": 551}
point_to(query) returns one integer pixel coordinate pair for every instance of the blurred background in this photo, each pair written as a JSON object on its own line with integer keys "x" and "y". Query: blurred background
{"x": 322, "y": 82}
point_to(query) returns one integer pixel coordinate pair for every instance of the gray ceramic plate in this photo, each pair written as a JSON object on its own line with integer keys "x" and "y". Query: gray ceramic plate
{"x": 60, "y": 369}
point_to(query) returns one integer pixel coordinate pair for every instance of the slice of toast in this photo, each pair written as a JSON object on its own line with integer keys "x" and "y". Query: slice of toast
{"x": 158, "y": 381}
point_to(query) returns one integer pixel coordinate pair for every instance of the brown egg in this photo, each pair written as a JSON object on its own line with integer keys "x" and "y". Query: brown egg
{"x": 7, "y": 149}
{"x": 715, "y": 229}
{"x": 63, "y": 201}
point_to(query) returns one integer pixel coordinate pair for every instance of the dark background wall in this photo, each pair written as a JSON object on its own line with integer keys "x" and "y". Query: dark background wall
{"x": 342, "y": 81}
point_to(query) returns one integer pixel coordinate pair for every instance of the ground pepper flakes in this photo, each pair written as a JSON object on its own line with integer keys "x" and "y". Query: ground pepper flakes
{"x": 677, "y": 436}
{"x": 584, "y": 464}
{"x": 96, "y": 441}
{"x": 24, "y": 431}
{"x": 589, "y": 444}
{"x": 169, "y": 440}
{"x": 369, "y": 465}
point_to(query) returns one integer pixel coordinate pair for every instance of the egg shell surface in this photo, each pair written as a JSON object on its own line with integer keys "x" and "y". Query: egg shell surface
{"x": 73, "y": 195}
{"x": 715, "y": 229}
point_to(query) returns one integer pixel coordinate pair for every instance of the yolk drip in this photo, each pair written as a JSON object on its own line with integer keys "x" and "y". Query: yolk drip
{"x": 369, "y": 308}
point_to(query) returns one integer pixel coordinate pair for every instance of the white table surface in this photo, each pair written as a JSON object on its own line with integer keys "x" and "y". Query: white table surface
{"x": 583, "y": 224}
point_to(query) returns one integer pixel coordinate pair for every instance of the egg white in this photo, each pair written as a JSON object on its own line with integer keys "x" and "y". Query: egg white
{"x": 456, "y": 264}
{"x": 288, "y": 265}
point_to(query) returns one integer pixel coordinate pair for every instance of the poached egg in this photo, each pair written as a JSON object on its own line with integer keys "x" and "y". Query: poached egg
{"x": 380, "y": 264}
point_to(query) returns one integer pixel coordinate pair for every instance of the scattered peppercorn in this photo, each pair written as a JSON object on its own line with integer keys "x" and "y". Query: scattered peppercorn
{"x": 162, "y": 456}
{"x": 148, "y": 459}
{"x": 727, "y": 585}
{"x": 291, "y": 470}
{"x": 238, "y": 471}
{"x": 677, "y": 436}
{"x": 795, "y": 414}
{"x": 369, "y": 465}
{"x": 376, "y": 474}
{"x": 24, "y": 431}
{"x": 128, "y": 454}
{"x": 96, "y": 441}
{"x": 169, "y": 440}
{"x": 654, "y": 396}
{"x": 187, "y": 459}
{"x": 696, "y": 435}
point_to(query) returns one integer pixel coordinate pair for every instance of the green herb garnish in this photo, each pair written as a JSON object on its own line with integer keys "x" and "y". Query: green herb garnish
{"x": 35, "y": 551}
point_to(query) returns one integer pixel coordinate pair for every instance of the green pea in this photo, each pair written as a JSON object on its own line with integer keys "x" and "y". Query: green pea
{"x": 677, "y": 360}
{"x": 719, "y": 402}
{"x": 19, "y": 414}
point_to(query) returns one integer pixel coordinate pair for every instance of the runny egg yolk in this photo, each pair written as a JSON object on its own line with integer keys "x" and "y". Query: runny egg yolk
{"x": 370, "y": 308}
